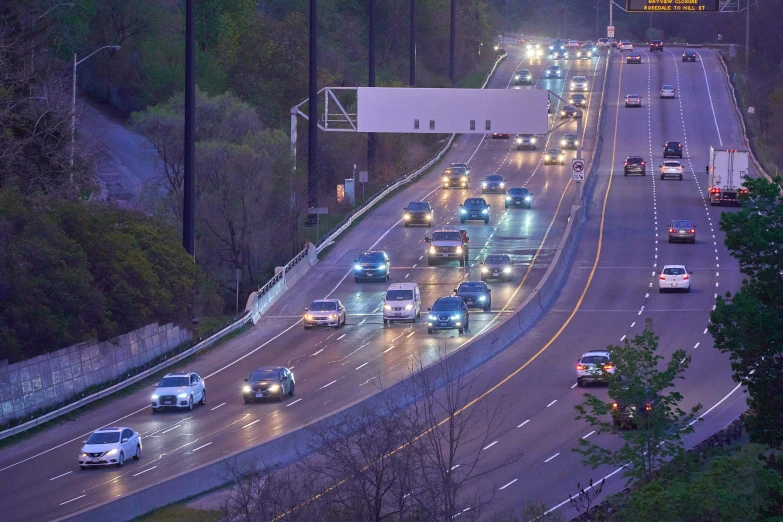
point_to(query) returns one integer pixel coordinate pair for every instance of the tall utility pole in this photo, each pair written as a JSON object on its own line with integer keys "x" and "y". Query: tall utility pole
{"x": 312, "y": 114}
{"x": 747, "y": 41}
{"x": 505, "y": 22}
{"x": 611, "y": 3}
{"x": 453, "y": 42}
{"x": 371, "y": 83}
{"x": 412, "y": 58}
{"x": 189, "y": 182}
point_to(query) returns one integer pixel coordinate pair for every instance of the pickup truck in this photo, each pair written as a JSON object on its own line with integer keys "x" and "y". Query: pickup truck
{"x": 447, "y": 244}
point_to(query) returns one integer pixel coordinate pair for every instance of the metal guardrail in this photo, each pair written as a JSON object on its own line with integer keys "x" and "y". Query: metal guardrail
{"x": 124, "y": 384}
{"x": 348, "y": 221}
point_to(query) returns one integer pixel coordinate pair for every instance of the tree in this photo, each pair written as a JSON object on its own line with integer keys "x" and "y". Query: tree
{"x": 731, "y": 486}
{"x": 639, "y": 383}
{"x": 748, "y": 325}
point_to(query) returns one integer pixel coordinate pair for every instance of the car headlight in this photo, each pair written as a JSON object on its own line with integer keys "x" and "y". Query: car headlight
{"x": 508, "y": 198}
{"x": 332, "y": 316}
{"x": 274, "y": 387}
{"x": 464, "y": 178}
{"x": 516, "y": 77}
{"x": 357, "y": 266}
{"x": 183, "y": 395}
{"x": 458, "y": 250}
{"x": 482, "y": 298}
{"x": 456, "y": 317}
{"x": 433, "y": 250}
{"x": 546, "y": 157}
{"x": 409, "y": 307}
{"x": 485, "y": 211}
{"x": 387, "y": 307}
{"x": 562, "y": 112}
{"x": 562, "y": 157}
{"x": 445, "y": 179}
{"x": 429, "y": 216}
{"x": 154, "y": 396}
{"x": 507, "y": 270}
{"x": 84, "y": 455}
{"x": 463, "y": 211}
{"x": 382, "y": 268}
{"x": 529, "y": 77}
{"x": 532, "y": 140}
{"x": 407, "y": 216}
{"x": 432, "y": 317}
{"x": 484, "y": 269}
{"x": 483, "y": 184}
{"x": 519, "y": 140}
{"x": 308, "y": 317}
{"x": 576, "y": 142}
{"x": 573, "y": 84}
{"x": 111, "y": 452}
{"x": 528, "y": 198}
{"x": 502, "y": 185}
{"x": 246, "y": 389}
{"x": 562, "y": 142}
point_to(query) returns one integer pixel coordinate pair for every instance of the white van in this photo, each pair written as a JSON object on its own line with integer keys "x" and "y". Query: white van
{"x": 402, "y": 303}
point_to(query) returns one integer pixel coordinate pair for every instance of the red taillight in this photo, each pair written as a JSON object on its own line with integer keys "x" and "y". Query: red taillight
{"x": 715, "y": 190}
{"x": 692, "y": 231}
{"x": 614, "y": 405}
{"x": 686, "y": 276}
{"x": 608, "y": 366}
{"x": 671, "y": 230}
{"x": 648, "y": 406}
{"x": 662, "y": 277}
{"x": 642, "y": 163}
{"x": 626, "y": 163}
{"x": 581, "y": 367}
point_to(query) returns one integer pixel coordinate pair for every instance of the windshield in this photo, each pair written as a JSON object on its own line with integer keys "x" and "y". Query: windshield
{"x": 323, "y": 306}
{"x": 580, "y": 79}
{"x": 497, "y": 260}
{"x": 668, "y": 87}
{"x": 674, "y": 271}
{"x": 475, "y": 202}
{"x": 418, "y": 205}
{"x": 269, "y": 374}
{"x": 104, "y": 437}
{"x": 518, "y": 191}
{"x": 399, "y": 295}
{"x": 494, "y": 178}
{"x": 553, "y": 151}
{"x": 681, "y": 224}
{"x": 523, "y": 72}
{"x": 447, "y": 236}
{"x": 594, "y": 359}
{"x": 372, "y": 257}
{"x": 471, "y": 287}
{"x": 635, "y": 160}
{"x": 671, "y": 164}
{"x": 173, "y": 382}
{"x": 451, "y": 303}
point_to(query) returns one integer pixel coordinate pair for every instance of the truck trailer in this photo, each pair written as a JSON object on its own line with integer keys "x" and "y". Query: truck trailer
{"x": 726, "y": 169}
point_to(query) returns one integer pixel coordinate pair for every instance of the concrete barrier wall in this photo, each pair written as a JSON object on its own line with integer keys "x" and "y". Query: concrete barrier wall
{"x": 55, "y": 377}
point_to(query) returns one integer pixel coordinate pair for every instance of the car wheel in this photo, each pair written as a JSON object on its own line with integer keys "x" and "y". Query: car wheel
{"x": 406, "y": 225}
{"x": 506, "y": 207}
{"x": 430, "y": 330}
{"x": 292, "y": 391}
{"x": 355, "y": 279}
{"x": 462, "y": 221}
{"x": 661, "y": 291}
{"x": 462, "y": 262}
{"x": 280, "y": 395}
{"x": 626, "y": 174}
{"x": 670, "y": 241}
{"x": 662, "y": 176}
{"x": 155, "y": 410}
{"x": 680, "y": 178}
{"x": 190, "y": 403}
{"x": 580, "y": 382}
{"x": 82, "y": 467}
{"x": 203, "y": 399}
{"x": 137, "y": 456}
{"x": 388, "y": 276}
{"x": 486, "y": 221}
{"x": 693, "y": 241}
{"x": 306, "y": 327}
{"x": 460, "y": 330}
{"x": 246, "y": 400}
{"x": 385, "y": 322}
{"x": 688, "y": 290}
{"x": 121, "y": 460}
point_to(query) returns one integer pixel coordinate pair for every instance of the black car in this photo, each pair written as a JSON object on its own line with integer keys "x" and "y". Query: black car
{"x": 559, "y": 54}
{"x": 519, "y": 197}
{"x": 629, "y": 414}
{"x": 568, "y": 112}
{"x": 554, "y": 157}
{"x": 553, "y": 71}
{"x": 418, "y": 213}
{"x": 672, "y": 149}
{"x": 523, "y": 77}
{"x": 634, "y": 57}
{"x": 372, "y": 265}
{"x": 456, "y": 177}
{"x": 493, "y": 184}
{"x": 577, "y": 100}
{"x": 569, "y": 141}
{"x": 474, "y": 209}
{"x": 526, "y": 141}
{"x": 656, "y": 45}
{"x": 448, "y": 313}
{"x": 635, "y": 165}
{"x": 475, "y": 293}
{"x": 268, "y": 382}
{"x": 497, "y": 266}
{"x": 689, "y": 56}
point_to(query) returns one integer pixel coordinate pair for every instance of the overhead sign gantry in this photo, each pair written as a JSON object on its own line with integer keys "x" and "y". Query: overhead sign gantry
{"x": 672, "y": 6}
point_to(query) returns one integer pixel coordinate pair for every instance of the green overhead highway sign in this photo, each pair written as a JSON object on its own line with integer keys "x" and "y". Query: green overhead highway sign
{"x": 672, "y": 6}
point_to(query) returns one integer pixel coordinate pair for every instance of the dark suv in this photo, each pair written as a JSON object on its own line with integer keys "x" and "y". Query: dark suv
{"x": 474, "y": 209}
{"x": 418, "y": 213}
{"x": 448, "y": 313}
{"x": 672, "y": 149}
{"x": 627, "y": 415}
{"x": 523, "y": 77}
{"x": 635, "y": 164}
{"x": 372, "y": 265}
{"x": 656, "y": 45}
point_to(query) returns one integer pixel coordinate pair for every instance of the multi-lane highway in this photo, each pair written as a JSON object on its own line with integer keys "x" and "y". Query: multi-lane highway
{"x": 333, "y": 368}
{"x": 612, "y": 288}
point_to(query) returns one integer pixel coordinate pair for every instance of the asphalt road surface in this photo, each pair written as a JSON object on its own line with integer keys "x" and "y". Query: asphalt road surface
{"x": 333, "y": 368}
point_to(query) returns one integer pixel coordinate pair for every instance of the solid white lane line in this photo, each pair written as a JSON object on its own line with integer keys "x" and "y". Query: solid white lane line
{"x": 551, "y": 403}
{"x": 410, "y": 335}
{"x": 69, "y": 501}
{"x": 390, "y": 348}
{"x": 343, "y": 335}
{"x": 248, "y": 425}
{"x": 553, "y": 456}
{"x": 146, "y": 470}
{"x": 700, "y": 417}
{"x": 218, "y": 406}
{"x": 204, "y": 446}
{"x": 523, "y": 423}
{"x": 325, "y": 385}
{"x": 292, "y": 403}
{"x": 407, "y": 276}
{"x": 709, "y": 93}
{"x": 489, "y": 445}
{"x": 588, "y": 434}
{"x": 172, "y": 428}
{"x": 507, "y": 485}
{"x": 58, "y": 476}
{"x": 362, "y": 366}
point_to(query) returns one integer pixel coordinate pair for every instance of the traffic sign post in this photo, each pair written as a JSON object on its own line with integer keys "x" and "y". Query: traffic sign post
{"x": 577, "y": 169}
{"x": 610, "y": 31}
{"x": 318, "y": 211}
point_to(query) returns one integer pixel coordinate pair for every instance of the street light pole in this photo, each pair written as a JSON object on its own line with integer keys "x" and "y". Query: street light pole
{"x": 412, "y": 50}
{"x": 453, "y": 43}
{"x": 747, "y": 41}
{"x": 73, "y": 98}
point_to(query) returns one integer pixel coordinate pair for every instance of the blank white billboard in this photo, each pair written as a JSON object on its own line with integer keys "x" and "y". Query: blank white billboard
{"x": 461, "y": 111}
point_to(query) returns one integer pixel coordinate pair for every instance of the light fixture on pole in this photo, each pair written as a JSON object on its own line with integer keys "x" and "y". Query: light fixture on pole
{"x": 73, "y": 98}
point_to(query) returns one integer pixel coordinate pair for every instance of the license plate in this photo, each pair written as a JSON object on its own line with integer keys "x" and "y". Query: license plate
{"x": 168, "y": 402}
{"x": 94, "y": 460}
{"x": 398, "y": 315}
{"x": 259, "y": 394}
{"x": 444, "y": 255}
{"x": 518, "y": 201}
{"x": 682, "y": 231}
{"x": 444, "y": 324}
{"x": 495, "y": 273}
{"x": 674, "y": 284}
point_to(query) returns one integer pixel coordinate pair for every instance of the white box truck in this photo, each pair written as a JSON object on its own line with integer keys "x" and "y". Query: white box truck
{"x": 726, "y": 169}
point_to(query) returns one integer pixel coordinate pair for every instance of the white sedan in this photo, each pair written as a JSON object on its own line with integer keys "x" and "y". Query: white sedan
{"x": 633, "y": 100}
{"x": 667, "y": 91}
{"x": 674, "y": 277}
{"x": 110, "y": 447}
{"x": 671, "y": 169}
